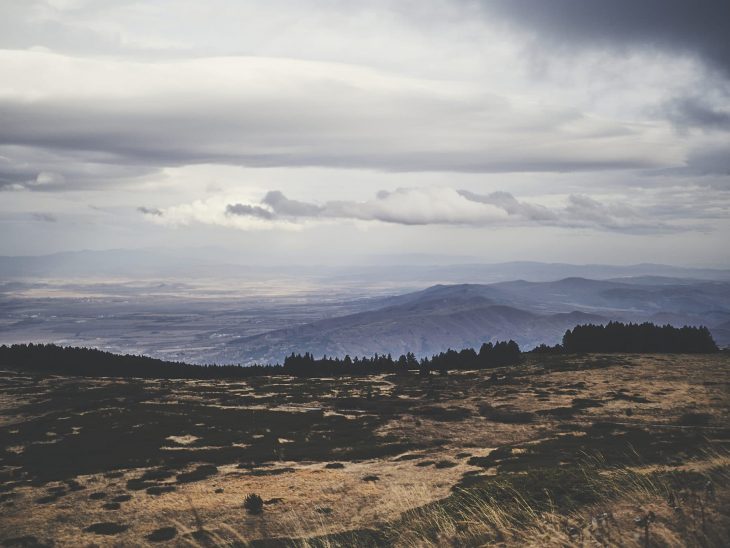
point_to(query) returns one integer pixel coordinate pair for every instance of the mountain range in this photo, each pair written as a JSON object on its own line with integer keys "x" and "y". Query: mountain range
{"x": 404, "y": 270}
{"x": 466, "y": 315}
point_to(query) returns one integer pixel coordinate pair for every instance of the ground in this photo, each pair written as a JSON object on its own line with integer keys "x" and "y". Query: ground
{"x": 602, "y": 449}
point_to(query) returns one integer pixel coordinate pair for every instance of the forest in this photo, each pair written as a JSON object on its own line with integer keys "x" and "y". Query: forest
{"x": 613, "y": 337}
{"x": 641, "y": 338}
{"x": 88, "y": 362}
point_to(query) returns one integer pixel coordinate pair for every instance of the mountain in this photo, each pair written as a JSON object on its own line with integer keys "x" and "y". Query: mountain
{"x": 404, "y": 271}
{"x": 423, "y": 326}
{"x": 466, "y": 315}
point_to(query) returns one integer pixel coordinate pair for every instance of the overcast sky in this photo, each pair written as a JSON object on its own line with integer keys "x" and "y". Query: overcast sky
{"x": 504, "y": 130}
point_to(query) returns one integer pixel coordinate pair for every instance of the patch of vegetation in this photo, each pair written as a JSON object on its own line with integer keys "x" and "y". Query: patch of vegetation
{"x": 618, "y": 444}
{"x": 694, "y": 419}
{"x": 199, "y": 473}
{"x": 446, "y": 414}
{"x": 253, "y": 504}
{"x": 107, "y": 528}
{"x": 162, "y": 534}
{"x": 563, "y": 506}
{"x": 645, "y": 337}
{"x": 26, "y": 541}
{"x": 505, "y": 415}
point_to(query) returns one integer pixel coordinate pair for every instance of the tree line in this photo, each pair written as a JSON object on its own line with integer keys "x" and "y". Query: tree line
{"x": 90, "y": 362}
{"x": 612, "y": 337}
{"x": 633, "y": 337}
{"x": 489, "y": 355}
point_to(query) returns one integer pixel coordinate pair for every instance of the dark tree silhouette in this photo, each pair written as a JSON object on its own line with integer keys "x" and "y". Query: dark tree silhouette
{"x": 645, "y": 337}
{"x": 88, "y": 362}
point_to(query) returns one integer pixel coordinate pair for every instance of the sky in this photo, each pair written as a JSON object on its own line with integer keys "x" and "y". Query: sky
{"x": 327, "y": 130}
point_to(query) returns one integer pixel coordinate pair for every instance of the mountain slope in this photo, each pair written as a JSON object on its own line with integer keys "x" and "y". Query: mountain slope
{"x": 457, "y": 316}
{"x": 421, "y": 327}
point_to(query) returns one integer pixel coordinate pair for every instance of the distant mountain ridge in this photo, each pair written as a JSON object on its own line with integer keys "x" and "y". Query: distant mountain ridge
{"x": 466, "y": 315}
{"x": 398, "y": 269}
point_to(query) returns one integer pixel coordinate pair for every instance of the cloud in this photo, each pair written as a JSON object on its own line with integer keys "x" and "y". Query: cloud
{"x": 44, "y": 217}
{"x": 512, "y": 206}
{"x": 694, "y": 112}
{"x": 76, "y": 116}
{"x": 44, "y": 170}
{"x": 405, "y": 206}
{"x": 284, "y": 206}
{"x": 150, "y": 211}
{"x": 698, "y": 27}
{"x": 435, "y": 206}
{"x": 247, "y": 210}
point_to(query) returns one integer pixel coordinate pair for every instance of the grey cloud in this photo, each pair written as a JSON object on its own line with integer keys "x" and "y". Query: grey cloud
{"x": 693, "y": 112}
{"x": 369, "y": 120}
{"x": 698, "y": 26}
{"x": 707, "y": 166}
{"x": 44, "y": 170}
{"x": 402, "y": 206}
{"x": 710, "y": 161}
{"x": 284, "y": 206}
{"x": 136, "y": 138}
{"x": 512, "y": 206}
{"x": 245, "y": 210}
{"x": 413, "y": 206}
{"x": 585, "y": 208}
{"x": 150, "y": 211}
{"x": 44, "y": 217}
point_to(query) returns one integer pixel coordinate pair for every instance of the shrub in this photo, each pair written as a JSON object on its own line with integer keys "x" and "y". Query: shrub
{"x": 695, "y": 419}
{"x": 253, "y": 504}
{"x": 505, "y": 415}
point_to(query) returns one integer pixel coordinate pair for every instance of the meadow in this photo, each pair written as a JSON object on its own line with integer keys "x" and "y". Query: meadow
{"x": 609, "y": 449}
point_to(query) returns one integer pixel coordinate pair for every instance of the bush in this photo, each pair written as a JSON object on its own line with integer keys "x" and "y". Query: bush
{"x": 505, "y": 415}
{"x": 695, "y": 419}
{"x": 253, "y": 504}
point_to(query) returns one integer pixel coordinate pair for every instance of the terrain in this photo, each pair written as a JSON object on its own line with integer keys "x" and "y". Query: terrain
{"x": 618, "y": 449}
{"x": 457, "y": 316}
{"x": 214, "y": 320}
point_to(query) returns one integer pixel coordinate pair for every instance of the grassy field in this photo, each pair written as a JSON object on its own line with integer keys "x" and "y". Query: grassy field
{"x": 630, "y": 450}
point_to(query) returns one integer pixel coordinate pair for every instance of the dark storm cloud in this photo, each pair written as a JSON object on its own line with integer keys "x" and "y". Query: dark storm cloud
{"x": 695, "y": 26}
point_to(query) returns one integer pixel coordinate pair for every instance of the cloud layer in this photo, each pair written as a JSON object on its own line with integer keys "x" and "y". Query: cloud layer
{"x": 419, "y": 207}
{"x": 564, "y": 117}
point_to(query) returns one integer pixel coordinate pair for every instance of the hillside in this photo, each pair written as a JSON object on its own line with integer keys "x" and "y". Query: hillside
{"x": 380, "y": 460}
{"x": 466, "y": 315}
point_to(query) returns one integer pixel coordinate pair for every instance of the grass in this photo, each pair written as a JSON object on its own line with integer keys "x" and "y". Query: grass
{"x": 591, "y": 504}
{"x": 554, "y": 458}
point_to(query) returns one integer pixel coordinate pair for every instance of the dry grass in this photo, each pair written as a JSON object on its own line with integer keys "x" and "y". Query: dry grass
{"x": 631, "y": 509}
{"x": 578, "y": 406}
